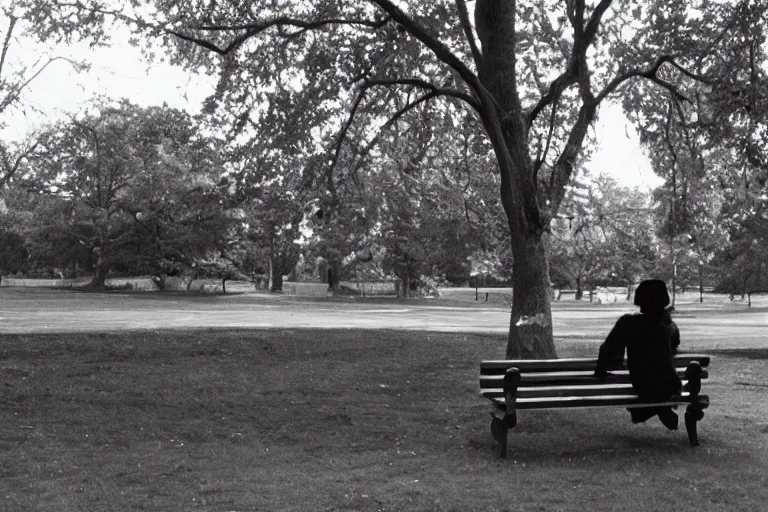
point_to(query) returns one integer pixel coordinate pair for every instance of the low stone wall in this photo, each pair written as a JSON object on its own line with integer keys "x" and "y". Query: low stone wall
{"x": 209, "y": 286}
{"x": 372, "y": 287}
{"x": 43, "y": 283}
{"x": 305, "y": 289}
{"x": 314, "y": 289}
{"x": 609, "y": 295}
{"x": 140, "y": 283}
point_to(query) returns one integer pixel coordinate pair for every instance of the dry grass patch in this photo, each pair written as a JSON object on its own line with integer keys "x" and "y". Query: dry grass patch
{"x": 343, "y": 420}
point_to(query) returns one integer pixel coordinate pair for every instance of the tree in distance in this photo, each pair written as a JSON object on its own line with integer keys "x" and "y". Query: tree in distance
{"x": 137, "y": 187}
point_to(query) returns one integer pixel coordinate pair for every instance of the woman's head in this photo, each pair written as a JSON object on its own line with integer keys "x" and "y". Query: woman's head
{"x": 651, "y": 295}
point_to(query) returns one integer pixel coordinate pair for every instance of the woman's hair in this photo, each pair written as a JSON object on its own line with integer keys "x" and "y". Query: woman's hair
{"x": 651, "y": 295}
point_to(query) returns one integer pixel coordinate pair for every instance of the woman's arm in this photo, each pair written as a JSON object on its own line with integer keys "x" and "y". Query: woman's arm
{"x": 675, "y": 341}
{"x": 611, "y": 353}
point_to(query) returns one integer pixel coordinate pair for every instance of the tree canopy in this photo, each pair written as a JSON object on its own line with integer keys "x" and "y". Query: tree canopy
{"x": 139, "y": 188}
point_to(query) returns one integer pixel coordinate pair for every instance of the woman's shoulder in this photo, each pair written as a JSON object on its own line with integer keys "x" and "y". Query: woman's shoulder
{"x": 629, "y": 320}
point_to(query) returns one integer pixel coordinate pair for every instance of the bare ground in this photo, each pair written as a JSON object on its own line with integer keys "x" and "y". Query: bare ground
{"x": 716, "y": 324}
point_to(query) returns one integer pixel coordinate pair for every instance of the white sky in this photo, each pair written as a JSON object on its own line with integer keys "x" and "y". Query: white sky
{"x": 120, "y": 72}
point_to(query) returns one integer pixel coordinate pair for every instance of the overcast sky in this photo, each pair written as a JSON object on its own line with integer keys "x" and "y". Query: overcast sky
{"x": 120, "y": 72}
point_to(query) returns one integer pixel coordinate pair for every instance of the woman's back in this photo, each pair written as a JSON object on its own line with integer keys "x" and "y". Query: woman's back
{"x": 650, "y": 343}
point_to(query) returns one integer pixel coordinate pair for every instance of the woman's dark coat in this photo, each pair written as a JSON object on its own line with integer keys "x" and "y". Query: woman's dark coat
{"x": 650, "y": 341}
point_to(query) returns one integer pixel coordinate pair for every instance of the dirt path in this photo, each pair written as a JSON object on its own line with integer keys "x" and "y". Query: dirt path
{"x": 34, "y": 310}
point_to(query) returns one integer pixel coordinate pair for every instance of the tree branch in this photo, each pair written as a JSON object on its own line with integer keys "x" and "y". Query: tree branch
{"x": 594, "y": 21}
{"x": 576, "y": 70}
{"x": 233, "y": 45}
{"x": 556, "y": 88}
{"x": 16, "y": 89}
{"x": 563, "y": 168}
{"x": 293, "y": 22}
{"x": 251, "y": 29}
{"x": 434, "y": 92}
{"x": 7, "y": 42}
{"x": 9, "y": 169}
{"x": 461, "y": 5}
{"x": 440, "y": 50}
{"x": 541, "y": 159}
{"x": 423, "y": 84}
{"x": 345, "y": 129}
{"x": 650, "y": 74}
{"x": 391, "y": 121}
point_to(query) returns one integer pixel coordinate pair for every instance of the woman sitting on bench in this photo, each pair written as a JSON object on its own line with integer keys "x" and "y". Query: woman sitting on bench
{"x": 650, "y": 338}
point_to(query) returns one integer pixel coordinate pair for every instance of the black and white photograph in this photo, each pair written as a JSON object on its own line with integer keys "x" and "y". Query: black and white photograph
{"x": 383, "y": 255}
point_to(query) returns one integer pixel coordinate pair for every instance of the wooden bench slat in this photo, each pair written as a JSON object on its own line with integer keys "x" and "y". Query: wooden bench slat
{"x": 566, "y": 378}
{"x": 572, "y": 364}
{"x": 553, "y": 391}
{"x": 593, "y": 401}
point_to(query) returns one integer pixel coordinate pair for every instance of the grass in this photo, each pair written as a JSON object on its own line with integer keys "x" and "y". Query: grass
{"x": 273, "y": 420}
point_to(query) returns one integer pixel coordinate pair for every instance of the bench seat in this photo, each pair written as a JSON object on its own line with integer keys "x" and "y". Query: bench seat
{"x": 513, "y": 385}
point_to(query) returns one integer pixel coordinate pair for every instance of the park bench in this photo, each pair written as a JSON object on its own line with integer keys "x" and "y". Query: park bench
{"x": 570, "y": 383}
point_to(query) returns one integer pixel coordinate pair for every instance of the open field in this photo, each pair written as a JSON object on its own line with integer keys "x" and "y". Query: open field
{"x": 127, "y": 402}
{"x": 718, "y": 323}
{"x": 332, "y": 420}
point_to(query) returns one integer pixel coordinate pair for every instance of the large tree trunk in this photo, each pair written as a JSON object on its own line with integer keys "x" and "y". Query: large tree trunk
{"x": 334, "y": 274}
{"x": 276, "y": 282}
{"x": 100, "y": 278}
{"x": 405, "y": 286}
{"x": 275, "y": 276}
{"x": 530, "y": 327}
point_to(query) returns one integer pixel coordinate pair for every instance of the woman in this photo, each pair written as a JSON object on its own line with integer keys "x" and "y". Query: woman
{"x": 650, "y": 338}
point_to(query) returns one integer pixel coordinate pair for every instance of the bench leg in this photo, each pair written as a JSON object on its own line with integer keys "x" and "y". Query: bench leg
{"x": 502, "y": 422}
{"x": 693, "y": 414}
{"x": 499, "y": 432}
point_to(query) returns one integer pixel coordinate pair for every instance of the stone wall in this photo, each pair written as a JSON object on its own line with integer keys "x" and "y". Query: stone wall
{"x": 140, "y": 283}
{"x": 372, "y": 287}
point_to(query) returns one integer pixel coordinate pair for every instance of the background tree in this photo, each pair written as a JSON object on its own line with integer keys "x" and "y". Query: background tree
{"x": 135, "y": 186}
{"x": 604, "y": 236}
{"x": 708, "y": 140}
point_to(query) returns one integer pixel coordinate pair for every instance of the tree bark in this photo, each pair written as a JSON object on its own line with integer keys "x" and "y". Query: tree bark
{"x": 272, "y": 284}
{"x": 100, "y": 278}
{"x": 276, "y": 282}
{"x": 530, "y": 328}
{"x": 701, "y": 282}
{"x": 674, "y": 277}
{"x": 334, "y": 271}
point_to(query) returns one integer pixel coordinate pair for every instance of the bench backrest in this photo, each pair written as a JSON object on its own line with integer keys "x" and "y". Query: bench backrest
{"x": 541, "y": 379}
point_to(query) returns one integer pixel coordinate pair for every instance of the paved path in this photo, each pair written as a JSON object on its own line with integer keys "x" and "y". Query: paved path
{"x": 23, "y": 311}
